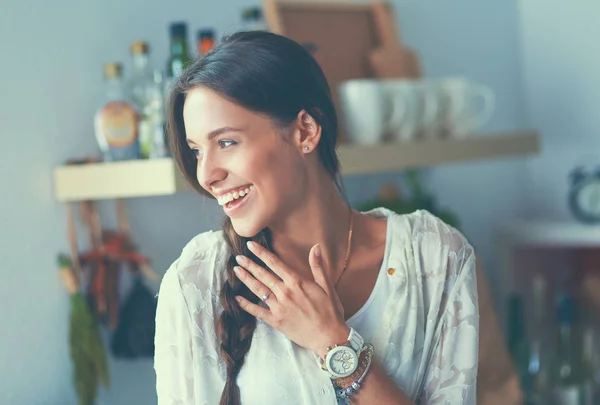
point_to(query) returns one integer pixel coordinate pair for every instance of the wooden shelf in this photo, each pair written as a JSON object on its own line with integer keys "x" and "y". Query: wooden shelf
{"x": 143, "y": 178}
{"x": 133, "y": 178}
{"x": 399, "y": 156}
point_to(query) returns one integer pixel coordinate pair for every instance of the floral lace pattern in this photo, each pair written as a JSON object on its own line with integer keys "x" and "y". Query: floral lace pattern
{"x": 427, "y": 338}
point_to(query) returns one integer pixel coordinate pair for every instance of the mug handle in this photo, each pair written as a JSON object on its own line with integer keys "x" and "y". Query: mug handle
{"x": 488, "y": 98}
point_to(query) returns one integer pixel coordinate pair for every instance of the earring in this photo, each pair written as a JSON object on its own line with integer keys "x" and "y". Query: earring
{"x": 306, "y": 148}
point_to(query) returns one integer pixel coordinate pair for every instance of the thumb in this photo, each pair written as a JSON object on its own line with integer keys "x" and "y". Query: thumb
{"x": 315, "y": 260}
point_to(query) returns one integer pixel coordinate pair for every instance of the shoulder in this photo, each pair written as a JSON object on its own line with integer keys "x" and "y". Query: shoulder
{"x": 430, "y": 232}
{"x": 440, "y": 254}
{"x": 200, "y": 269}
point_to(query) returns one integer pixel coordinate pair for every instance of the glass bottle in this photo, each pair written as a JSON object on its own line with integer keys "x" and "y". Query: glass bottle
{"x": 205, "y": 41}
{"x": 253, "y": 20}
{"x": 140, "y": 86}
{"x": 590, "y": 358}
{"x": 518, "y": 345}
{"x": 540, "y": 361}
{"x": 571, "y": 387}
{"x": 116, "y": 121}
{"x": 180, "y": 56}
{"x": 156, "y": 116}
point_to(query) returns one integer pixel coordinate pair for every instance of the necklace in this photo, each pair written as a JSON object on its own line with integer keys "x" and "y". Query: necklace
{"x": 348, "y": 249}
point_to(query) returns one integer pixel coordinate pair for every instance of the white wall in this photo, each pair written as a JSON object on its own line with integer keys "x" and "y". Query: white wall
{"x": 480, "y": 40}
{"x": 561, "y": 77}
{"x": 50, "y": 85}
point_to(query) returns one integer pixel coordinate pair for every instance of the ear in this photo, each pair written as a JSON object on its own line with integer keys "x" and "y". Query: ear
{"x": 307, "y": 134}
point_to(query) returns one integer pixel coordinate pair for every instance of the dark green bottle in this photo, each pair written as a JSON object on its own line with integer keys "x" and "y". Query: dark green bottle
{"x": 180, "y": 53}
{"x": 518, "y": 344}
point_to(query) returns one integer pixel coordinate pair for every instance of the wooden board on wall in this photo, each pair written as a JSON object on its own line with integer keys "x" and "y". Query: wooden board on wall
{"x": 341, "y": 36}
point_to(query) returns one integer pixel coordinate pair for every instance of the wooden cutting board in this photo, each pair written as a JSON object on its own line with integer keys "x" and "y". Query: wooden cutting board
{"x": 391, "y": 59}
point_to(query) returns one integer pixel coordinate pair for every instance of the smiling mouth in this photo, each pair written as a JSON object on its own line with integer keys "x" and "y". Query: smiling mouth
{"x": 232, "y": 199}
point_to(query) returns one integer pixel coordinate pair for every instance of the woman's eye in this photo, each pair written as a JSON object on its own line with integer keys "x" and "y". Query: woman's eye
{"x": 197, "y": 153}
{"x": 225, "y": 143}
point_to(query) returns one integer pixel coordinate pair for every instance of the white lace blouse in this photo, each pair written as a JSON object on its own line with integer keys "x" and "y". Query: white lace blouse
{"x": 422, "y": 318}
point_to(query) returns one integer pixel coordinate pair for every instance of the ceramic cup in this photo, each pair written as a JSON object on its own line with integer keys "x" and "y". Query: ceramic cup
{"x": 367, "y": 111}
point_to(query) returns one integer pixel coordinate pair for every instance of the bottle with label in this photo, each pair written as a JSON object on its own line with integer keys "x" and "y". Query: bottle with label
{"x": 179, "y": 57}
{"x": 116, "y": 122}
{"x": 205, "y": 41}
{"x": 572, "y": 387}
{"x": 140, "y": 86}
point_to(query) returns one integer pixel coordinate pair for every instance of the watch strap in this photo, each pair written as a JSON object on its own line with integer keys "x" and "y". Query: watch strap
{"x": 355, "y": 340}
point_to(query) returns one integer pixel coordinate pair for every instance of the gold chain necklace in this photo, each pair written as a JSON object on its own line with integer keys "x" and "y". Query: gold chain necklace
{"x": 348, "y": 249}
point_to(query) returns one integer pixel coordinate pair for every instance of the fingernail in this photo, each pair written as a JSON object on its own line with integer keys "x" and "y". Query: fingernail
{"x": 238, "y": 298}
{"x": 237, "y": 269}
{"x": 318, "y": 250}
{"x": 250, "y": 244}
{"x": 240, "y": 259}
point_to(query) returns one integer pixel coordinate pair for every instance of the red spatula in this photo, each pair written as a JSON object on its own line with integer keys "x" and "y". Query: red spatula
{"x": 391, "y": 59}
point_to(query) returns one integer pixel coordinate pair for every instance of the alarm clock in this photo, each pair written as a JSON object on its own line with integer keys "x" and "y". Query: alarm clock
{"x": 584, "y": 195}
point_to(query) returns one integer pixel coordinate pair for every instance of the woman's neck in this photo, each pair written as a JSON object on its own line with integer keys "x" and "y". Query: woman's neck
{"x": 324, "y": 218}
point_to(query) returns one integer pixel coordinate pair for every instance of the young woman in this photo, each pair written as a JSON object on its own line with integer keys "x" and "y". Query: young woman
{"x": 301, "y": 299}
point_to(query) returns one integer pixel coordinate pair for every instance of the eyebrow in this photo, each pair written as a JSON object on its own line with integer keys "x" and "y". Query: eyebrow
{"x": 216, "y": 132}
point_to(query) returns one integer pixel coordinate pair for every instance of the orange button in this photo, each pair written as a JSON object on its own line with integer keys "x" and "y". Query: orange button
{"x": 391, "y": 271}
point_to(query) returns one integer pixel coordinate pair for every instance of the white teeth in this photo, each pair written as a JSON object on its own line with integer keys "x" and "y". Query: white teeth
{"x": 234, "y": 195}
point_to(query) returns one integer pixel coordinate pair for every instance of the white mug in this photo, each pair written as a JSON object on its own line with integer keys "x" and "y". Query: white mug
{"x": 405, "y": 98}
{"x": 367, "y": 111}
{"x": 430, "y": 123}
{"x": 466, "y": 106}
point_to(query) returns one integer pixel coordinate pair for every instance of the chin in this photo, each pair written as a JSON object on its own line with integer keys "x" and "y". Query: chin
{"x": 246, "y": 227}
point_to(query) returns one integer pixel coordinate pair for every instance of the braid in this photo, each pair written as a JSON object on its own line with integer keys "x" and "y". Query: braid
{"x": 235, "y": 326}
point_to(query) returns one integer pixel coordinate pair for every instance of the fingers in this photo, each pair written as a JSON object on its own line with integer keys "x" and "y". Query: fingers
{"x": 260, "y": 273}
{"x": 315, "y": 259}
{"x": 271, "y": 261}
{"x": 254, "y": 310}
{"x": 255, "y": 285}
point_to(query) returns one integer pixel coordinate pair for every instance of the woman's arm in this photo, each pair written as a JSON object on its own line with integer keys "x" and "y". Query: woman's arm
{"x": 379, "y": 388}
{"x": 173, "y": 357}
{"x": 451, "y": 377}
{"x": 376, "y": 388}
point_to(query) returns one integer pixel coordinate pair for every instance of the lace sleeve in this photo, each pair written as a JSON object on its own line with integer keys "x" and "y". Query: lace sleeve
{"x": 452, "y": 372}
{"x": 173, "y": 344}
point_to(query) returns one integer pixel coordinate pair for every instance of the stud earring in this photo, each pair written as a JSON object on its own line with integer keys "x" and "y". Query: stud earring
{"x": 306, "y": 148}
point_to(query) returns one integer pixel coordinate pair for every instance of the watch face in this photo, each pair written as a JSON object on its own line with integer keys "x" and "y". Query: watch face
{"x": 343, "y": 361}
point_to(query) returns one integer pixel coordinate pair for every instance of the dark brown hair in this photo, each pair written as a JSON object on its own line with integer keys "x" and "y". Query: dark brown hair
{"x": 274, "y": 76}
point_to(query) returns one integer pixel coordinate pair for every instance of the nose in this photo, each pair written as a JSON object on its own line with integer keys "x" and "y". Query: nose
{"x": 209, "y": 171}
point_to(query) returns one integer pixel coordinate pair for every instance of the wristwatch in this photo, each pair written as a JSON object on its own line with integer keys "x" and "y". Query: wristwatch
{"x": 342, "y": 360}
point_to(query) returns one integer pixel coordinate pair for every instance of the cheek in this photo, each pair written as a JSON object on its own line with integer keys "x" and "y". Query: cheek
{"x": 287, "y": 175}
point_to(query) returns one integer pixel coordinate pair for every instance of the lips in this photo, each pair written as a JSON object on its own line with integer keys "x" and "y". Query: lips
{"x": 234, "y": 205}
{"x": 234, "y": 195}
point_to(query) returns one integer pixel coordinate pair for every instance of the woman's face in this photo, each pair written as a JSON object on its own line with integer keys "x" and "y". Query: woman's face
{"x": 254, "y": 172}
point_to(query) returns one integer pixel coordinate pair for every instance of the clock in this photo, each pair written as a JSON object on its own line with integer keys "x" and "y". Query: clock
{"x": 584, "y": 195}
